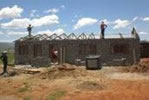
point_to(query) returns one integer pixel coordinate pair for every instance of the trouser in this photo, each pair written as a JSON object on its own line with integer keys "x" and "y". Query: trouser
{"x": 102, "y": 33}
{"x": 4, "y": 67}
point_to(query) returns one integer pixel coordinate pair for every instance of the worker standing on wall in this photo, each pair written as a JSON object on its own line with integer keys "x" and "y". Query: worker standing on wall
{"x": 103, "y": 26}
{"x": 29, "y": 29}
{"x": 4, "y": 59}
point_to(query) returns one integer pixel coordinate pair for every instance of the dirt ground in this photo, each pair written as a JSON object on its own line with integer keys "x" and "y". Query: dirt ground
{"x": 68, "y": 82}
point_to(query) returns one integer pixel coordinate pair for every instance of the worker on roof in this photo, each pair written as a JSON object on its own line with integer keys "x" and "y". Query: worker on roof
{"x": 103, "y": 26}
{"x": 29, "y": 29}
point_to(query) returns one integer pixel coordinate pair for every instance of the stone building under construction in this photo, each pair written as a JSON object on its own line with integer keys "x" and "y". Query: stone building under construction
{"x": 36, "y": 50}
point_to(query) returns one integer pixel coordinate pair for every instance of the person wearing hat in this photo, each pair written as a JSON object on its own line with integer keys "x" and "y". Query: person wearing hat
{"x": 4, "y": 59}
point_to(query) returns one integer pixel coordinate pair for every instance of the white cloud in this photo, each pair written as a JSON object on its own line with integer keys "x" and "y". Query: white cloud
{"x": 105, "y": 21}
{"x": 37, "y": 22}
{"x": 85, "y": 22}
{"x": 45, "y": 32}
{"x": 49, "y": 32}
{"x": 135, "y": 18}
{"x": 16, "y": 23}
{"x": 32, "y": 14}
{"x": 59, "y": 31}
{"x": 46, "y": 20}
{"x": 143, "y": 33}
{"x": 146, "y": 19}
{"x": 16, "y": 33}
{"x": 13, "y": 12}
{"x": 53, "y": 10}
{"x": 121, "y": 23}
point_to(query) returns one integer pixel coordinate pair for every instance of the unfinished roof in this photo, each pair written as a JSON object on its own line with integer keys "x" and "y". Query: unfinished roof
{"x": 71, "y": 36}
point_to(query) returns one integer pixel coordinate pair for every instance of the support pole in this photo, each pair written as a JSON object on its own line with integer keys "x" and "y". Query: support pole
{"x": 134, "y": 56}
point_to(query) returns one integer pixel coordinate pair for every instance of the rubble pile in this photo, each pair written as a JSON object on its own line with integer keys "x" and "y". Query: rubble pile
{"x": 65, "y": 70}
{"x": 90, "y": 85}
{"x": 142, "y": 67}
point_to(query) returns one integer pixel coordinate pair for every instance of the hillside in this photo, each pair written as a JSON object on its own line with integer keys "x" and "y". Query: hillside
{"x": 9, "y": 46}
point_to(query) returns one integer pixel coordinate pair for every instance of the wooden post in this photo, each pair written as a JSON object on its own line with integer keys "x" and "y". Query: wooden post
{"x": 64, "y": 53}
{"x": 134, "y": 56}
{"x": 61, "y": 55}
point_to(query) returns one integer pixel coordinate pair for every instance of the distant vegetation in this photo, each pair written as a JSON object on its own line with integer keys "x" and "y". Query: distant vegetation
{"x": 10, "y": 48}
{"x": 6, "y": 46}
{"x": 10, "y": 58}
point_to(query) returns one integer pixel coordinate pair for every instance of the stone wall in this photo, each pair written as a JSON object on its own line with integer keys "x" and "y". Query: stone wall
{"x": 104, "y": 48}
{"x": 144, "y": 49}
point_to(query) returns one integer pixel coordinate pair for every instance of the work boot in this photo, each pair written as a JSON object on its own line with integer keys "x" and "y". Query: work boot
{"x": 5, "y": 74}
{"x": 2, "y": 73}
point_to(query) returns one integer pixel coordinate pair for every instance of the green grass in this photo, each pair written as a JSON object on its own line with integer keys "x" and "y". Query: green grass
{"x": 10, "y": 58}
{"x": 24, "y": 88}
{"x": 27, "y": 98}
{"x": 56, "y": 95}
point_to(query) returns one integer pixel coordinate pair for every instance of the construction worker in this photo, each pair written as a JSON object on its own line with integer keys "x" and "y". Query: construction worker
{"x": 29, "y": 29}
{"x": 4, "y": 59}
{"x": 102, "y": 27}
{"x": 54, "y": 54}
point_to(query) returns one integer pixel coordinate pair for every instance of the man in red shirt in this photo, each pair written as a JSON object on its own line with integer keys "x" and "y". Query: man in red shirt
{"x": 54, "y": 53}
{"x": 103, "y": 27}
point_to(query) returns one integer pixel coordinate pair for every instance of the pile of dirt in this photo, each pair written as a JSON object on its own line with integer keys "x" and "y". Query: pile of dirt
{"x": 65, "y": 70}
{"x": 90, "y": 85}
{"x": 142, "y": 67}
{"x": 13, "y": 73}
{"x": 10, "y": 74}
{"x": 144, "y": 60}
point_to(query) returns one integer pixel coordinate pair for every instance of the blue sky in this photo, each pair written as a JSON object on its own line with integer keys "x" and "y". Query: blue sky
{"x": 77, "y": 16}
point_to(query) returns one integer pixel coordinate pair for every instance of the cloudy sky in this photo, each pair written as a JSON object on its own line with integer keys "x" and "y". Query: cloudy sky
{"x": 72, "y": 16}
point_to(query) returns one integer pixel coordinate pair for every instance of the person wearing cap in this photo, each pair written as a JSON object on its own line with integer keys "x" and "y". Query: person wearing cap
{"x": 103, "y": 26}
{"x": 4, "y": 59}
